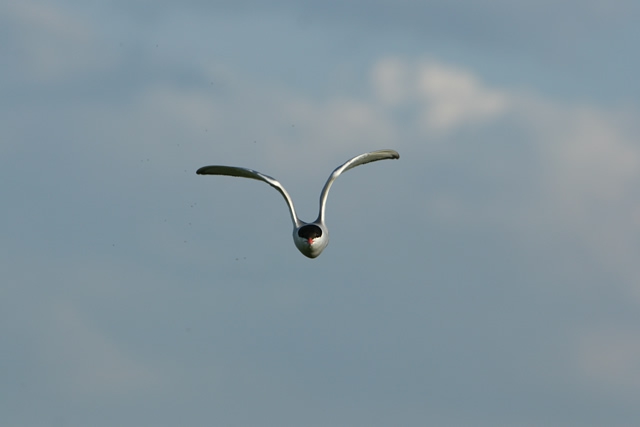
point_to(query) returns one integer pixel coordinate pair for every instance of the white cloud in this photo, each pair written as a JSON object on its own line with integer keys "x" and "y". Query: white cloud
{"x": 592, "y": 157}
{"x": 587, "y": 161}
{"x": 389, "y": 78}
{"x": 448, "y": 97}
{"x": 590, "y": 169}
{"x": 455, "y": 97}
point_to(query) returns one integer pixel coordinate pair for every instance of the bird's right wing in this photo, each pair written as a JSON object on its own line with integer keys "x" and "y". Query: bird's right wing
{"x": 250, "y": 173}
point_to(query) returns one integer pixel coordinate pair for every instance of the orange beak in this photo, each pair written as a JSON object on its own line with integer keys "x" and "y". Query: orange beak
{"x": 310, "y": 240}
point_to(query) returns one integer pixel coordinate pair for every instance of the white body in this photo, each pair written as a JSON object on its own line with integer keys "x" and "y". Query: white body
{"x": 316, "y": 246}
{"x": 309, "y": 238}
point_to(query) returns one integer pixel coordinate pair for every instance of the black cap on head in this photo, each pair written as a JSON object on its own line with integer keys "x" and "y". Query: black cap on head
{"x": 310, "y": 231}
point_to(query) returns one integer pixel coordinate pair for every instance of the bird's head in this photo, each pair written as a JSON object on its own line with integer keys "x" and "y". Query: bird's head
{"x": 311, "y": 239}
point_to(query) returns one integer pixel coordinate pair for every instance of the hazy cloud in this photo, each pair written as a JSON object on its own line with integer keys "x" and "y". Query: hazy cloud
{"x": 49, "y": 42}
{"x": 488, "y": 277}
{"x": 610, "y": 358}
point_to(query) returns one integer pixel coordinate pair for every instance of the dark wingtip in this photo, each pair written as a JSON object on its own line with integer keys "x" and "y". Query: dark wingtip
{"x": 201, "y": 171}
{"x": 394, "y": 154}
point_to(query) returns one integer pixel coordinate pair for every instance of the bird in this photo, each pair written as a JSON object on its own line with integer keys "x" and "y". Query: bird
{"x": 310, "y": 238}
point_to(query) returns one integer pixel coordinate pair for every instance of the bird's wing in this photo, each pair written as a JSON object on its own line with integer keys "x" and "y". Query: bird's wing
{"x": 362, "y": 159}
{"x": 249, "y": 173}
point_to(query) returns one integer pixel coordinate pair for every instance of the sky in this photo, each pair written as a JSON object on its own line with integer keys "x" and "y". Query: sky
{"x": 488, "y": 277}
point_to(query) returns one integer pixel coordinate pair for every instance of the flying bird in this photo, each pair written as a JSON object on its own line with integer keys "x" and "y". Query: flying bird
{"x": 309, "y": 238}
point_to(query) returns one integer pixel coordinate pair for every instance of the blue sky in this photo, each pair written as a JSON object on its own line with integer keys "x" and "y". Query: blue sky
{"x": 487, "y": 278}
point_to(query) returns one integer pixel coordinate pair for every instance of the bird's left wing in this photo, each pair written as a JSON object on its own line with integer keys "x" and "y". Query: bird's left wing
{"x": 362, "y": 159}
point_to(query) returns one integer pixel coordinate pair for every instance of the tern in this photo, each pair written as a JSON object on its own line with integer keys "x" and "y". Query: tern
{"x": 309, "y": 238}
